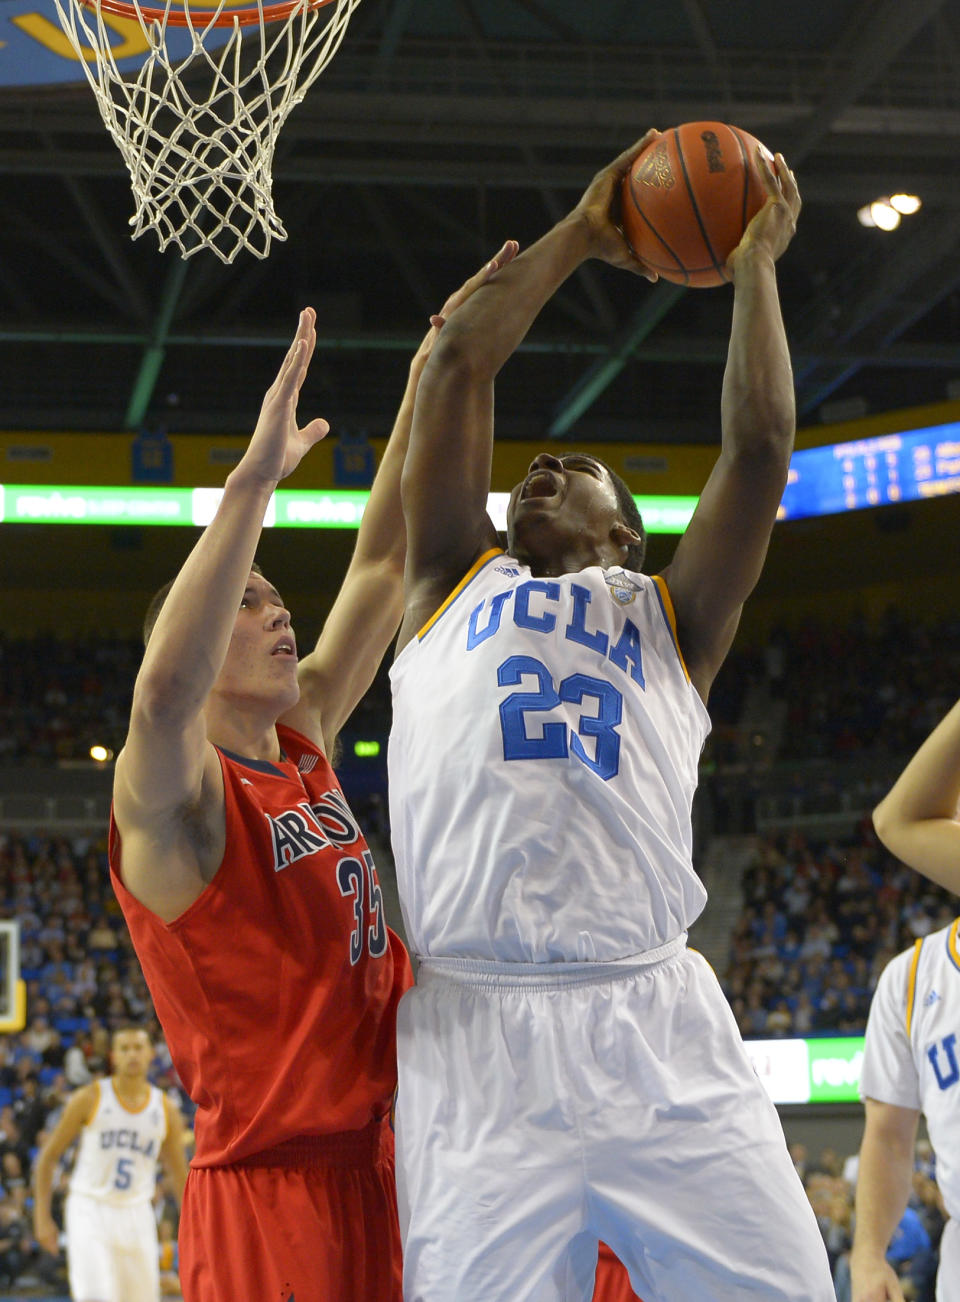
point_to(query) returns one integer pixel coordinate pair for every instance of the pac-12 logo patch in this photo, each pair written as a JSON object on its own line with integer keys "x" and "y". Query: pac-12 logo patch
{"x": 623, "y": 588}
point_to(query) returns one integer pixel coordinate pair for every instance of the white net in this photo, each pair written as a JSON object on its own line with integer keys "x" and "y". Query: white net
{"x": 198, "y": 132}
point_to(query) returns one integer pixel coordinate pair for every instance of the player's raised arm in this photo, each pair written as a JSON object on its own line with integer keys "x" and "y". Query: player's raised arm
{"x": 446, "y": 476}
{"x": 719, "y": 558}
{"x": 366, "y": 613}
{"x": 76, "y": 1114}
{"x": 167, "y": 780}
{"x": 917, "y": 820}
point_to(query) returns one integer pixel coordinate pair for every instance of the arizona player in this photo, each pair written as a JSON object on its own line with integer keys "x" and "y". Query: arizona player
{"x": 252, "y": 897}
{"x": 125, "y": 1127}
{"x": 569, "y": 1071}
{"x": 911, "y": 1059}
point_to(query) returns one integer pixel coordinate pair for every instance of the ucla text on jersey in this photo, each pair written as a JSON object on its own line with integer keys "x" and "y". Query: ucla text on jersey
{"x": 129, "y": 1139}
{"x": 536, "y": 607}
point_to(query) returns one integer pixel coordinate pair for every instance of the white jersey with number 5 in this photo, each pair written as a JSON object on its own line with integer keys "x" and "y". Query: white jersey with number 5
{"x": 912, "y": 1051}
{"x": 558, "y": 828}
{"x": 119, "y": 1149}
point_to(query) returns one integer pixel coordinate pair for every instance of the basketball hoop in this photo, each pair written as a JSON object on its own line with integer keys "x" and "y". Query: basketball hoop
{"x": 198, "y": 130}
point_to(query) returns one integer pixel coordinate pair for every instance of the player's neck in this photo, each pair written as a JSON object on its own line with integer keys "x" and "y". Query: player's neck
{"x": 569, "y": 561}
{"x": 133, "y": 1091}
{"x": 251, "y": 733}
{"x": 551, "y": 550}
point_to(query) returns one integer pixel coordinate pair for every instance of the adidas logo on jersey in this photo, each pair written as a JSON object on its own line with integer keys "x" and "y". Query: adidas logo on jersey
{"x": 510, "y": 570}
{"x": 931, "y": 999}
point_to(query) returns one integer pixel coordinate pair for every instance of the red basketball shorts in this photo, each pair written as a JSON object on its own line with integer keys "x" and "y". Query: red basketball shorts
{"x": 309, "y": 1221}
{"x": 613, "y": 1282}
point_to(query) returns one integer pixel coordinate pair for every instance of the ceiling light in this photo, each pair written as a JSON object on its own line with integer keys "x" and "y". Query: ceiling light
{"x": 865, "y": 216}
{"x": 907, "y": 204}
{"x": 884, "y": 215}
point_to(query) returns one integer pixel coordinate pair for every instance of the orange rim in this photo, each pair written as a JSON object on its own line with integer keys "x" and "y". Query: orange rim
{"x": 247, "y": 17}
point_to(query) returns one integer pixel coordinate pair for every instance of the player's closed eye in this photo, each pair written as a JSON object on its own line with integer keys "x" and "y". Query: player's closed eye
{"x": 581, "y": 463}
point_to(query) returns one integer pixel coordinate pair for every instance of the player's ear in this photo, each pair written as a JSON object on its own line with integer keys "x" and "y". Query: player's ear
{"x": 623, "y": 536}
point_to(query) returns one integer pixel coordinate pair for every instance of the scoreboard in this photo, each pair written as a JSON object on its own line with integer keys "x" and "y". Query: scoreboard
{"x": 873, "y": 472}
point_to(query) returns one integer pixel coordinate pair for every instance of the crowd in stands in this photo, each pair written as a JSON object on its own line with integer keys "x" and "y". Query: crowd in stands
{"x": 59, "y": 697}
{"x": 820, "y": 922}
{"x": 830, "y": 1181}
{"x": 83, "y": 981}
{"x": 847, "y": 689}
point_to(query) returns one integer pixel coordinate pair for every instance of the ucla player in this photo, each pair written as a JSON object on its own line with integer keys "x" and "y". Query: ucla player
{"x": 911, "y": 1064}
{"x": 125, "y": 1126}
{"x": 569, "y": 1071}
{"x": 912, "y": 1057}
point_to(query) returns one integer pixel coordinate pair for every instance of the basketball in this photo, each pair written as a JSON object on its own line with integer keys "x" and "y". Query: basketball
{"x": 687, "y": 199}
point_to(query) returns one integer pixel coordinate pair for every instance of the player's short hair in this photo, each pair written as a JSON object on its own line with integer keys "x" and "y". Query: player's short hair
{"x": 130, "y": 1028}
{"x": 629, "y": 514}
{"x": 160, "y": 596}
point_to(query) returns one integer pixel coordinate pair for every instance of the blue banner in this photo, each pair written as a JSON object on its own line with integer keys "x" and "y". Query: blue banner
{"x": 35, "y": 51}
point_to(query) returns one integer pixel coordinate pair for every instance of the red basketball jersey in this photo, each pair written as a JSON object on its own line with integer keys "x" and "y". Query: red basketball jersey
{"x": 277, "y": 989}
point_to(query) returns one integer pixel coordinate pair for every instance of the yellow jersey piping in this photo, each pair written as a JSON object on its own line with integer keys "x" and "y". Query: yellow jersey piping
{"x": 96, "y": 1106}
{"x": 669, "y": 615}
{"x": 952, "y": 943}
{"x": 912, "y": 982}
{"x": 474, "y": 569}
{"x": 133, "y": 1111}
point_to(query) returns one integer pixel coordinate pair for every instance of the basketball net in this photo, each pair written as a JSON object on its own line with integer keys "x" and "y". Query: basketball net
{"x": 198, "y": 137}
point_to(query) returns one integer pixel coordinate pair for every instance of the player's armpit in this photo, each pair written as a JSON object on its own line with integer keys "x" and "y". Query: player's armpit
{"x": 168, "y": 855}
{"x": 163, "y": 763}
{"x": 721, "y": 554}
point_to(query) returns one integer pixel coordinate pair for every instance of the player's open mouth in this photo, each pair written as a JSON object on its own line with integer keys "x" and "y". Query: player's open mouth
{"x": 285, "y": 647}
{"x": 541, "y": 483}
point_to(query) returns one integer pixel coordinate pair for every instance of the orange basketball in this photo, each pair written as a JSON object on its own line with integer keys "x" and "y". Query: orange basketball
{"x": 688, "y": 197}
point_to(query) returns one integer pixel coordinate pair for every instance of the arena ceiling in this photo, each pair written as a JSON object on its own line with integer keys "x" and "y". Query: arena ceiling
{"x": 444, "y": 126}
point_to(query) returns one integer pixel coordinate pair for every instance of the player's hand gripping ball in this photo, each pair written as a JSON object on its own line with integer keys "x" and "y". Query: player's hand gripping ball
{"x": 688, "y": 198}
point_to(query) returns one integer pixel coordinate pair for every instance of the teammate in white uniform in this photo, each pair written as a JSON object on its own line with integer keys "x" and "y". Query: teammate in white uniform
{"x": 125, "y": 1127}
{"x": 911, "y": 1064}
{"x": 912, "y": 1059}
{"x": 568, "y": 1069}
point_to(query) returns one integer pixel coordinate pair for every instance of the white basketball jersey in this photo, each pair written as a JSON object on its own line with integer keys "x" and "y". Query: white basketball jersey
{"x": 542, "y": 765}
{"x": 119, "y": 1149}
{"x": 912, "y": 1057}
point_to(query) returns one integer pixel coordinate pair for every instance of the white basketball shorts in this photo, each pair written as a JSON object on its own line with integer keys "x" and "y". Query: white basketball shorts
{"x": 112, "y": 1252}
{"x": 948, "y": 1272}
{"x": 542, "y": 1108}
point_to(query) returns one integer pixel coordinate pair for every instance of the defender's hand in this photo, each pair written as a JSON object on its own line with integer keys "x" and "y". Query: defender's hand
{"x": 278, "y": 446}
{"x": 459, "y": 296}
